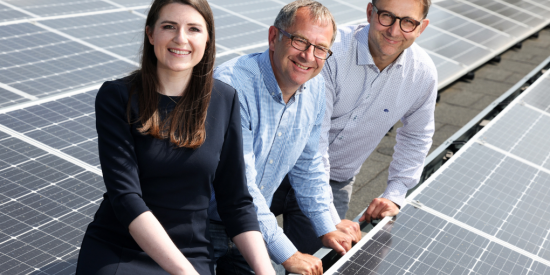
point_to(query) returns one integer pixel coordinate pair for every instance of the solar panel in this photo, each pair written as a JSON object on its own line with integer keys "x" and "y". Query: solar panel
{"x": 9, "y": 14}
{"x": 117, "y": 32}
{"x": 40, "y": 63}
{"x": 8, "y": 98}
{"x": 486, "y": 17}
{"x": 417, "y": 242}
{"x": 495, "y": 189}
{"x": 67, "y": 124}
{"x": 539, "y": 96}
{"x": 58, "y": 7}
{"x": 46, "y": 203}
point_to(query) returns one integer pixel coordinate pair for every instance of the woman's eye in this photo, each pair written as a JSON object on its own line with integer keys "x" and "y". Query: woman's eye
{"x": 168, "y": 27}
{"x": 194, "y": 29}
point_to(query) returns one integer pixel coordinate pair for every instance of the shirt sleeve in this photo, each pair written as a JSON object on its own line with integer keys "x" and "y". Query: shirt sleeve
{"x": 278, "y": 245}
{"x": 116, "y": 153}
{"x": 413, "y": 143}
{"x": 235, "y": 204}
{"x": 309, "y": 181}
{"x": 329, "y": 106}
{"x": 330, "y": 91}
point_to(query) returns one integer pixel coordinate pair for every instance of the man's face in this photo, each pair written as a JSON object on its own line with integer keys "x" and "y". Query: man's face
{"x": 292, "y": 67}
{"x": 387, "y": 43}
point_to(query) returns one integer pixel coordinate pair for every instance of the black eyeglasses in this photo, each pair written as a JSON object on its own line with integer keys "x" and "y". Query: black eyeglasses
{"x": 386, "y": 19}
{"x": 302, "y": 45}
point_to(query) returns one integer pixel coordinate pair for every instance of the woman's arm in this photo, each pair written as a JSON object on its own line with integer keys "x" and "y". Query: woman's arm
{"x": 153, "y": 239}
{"x": 235, "y": 204}
{"x": 252, "y": 247}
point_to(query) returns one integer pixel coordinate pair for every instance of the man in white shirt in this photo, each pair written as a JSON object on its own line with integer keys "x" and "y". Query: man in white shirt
{"x": 377, "y": 77}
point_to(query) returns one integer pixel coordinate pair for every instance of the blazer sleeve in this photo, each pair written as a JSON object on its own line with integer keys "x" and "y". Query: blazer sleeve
{"x": 116, "y": 153}
{"x": 235, "y": 204}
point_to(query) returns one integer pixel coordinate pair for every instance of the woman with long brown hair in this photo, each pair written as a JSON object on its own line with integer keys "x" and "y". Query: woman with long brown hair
{"x": 169, "y": 136}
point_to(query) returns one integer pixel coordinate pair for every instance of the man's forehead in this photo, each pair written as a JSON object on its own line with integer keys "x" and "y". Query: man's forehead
{"x": 314, "y": 31}
{"x": 402, "y": 8}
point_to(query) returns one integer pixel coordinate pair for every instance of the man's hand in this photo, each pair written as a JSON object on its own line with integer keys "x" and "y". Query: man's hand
{"x": 350, "y": 228}
{"x": 379, "y": 209}
{"x": 303, "y": 264}
{"x": 340, "y": 242}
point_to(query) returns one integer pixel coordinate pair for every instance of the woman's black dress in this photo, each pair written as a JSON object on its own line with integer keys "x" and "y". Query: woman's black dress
{"x": 142, "y": 173}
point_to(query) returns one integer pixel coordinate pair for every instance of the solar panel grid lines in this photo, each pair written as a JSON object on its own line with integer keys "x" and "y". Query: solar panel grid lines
{"x": 540, "y": 5}
{"x": 45, "y": 205}
{"x": 11, "y": 90}
{"x": 66, "y": 125}
{"x": 490, "y": 199}
{"x": 469, "y": 29}
{"x": 118, "y": 33}
{"x": 488, "y": 10}
{"x": 422, "y": 242}
{"x": 51, "y": 150}
{"x": 539, "y": 98}
{"x": 524, "y": 7}
{"x": 9, "y": 14}
{"x": 486, "y": 17}
{"x": 56, "y": 7}
{"x": 87, "y": 44}
{"x": 41, "y": 63}
{"x": 219, "y": 7}
{"x": 18, "y": 9}
{"x": 458, "y": 15}
{"x": 351, "y": 5}
{"x": 7, "y": 98}
{"x": 131, "y": 9}
{"x": 50, "y": 98}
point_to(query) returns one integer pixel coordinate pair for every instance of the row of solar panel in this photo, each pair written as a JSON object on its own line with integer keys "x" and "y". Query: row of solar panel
{"x": 485, "y": 212}
{"x": 57, "y": 54}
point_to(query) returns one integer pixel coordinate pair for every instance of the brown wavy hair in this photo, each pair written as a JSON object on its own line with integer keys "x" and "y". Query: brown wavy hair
{"x": 185, "y": 125}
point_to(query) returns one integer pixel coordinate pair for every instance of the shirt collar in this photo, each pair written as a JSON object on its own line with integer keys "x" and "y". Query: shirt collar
{"x": 269, "y": 77}
{"x": 363, "y": 53}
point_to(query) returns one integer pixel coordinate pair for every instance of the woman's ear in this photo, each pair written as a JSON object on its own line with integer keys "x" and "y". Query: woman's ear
{"x": 149, "y": 33}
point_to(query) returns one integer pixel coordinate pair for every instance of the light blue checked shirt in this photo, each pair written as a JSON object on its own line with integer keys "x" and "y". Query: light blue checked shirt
{"x": 363, "y": 103}
{"x": 280, "y": 139}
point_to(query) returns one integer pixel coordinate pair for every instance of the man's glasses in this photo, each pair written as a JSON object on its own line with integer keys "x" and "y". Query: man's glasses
{"x": 302, "y": 45}
{"x": 386, "y": 19}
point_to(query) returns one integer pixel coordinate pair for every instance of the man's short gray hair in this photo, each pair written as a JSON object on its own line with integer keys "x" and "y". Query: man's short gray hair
{"x": 318, "y": 13}
{"x": 425, "y": 3}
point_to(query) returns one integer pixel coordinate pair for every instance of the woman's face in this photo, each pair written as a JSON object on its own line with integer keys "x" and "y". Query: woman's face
{"x": 179, "y": 38}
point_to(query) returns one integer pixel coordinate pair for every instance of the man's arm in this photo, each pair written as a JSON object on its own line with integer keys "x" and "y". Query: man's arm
{"x": 312, "y": 189}
{"x": 413, "y": 143}
{"x": 279, "y": 246}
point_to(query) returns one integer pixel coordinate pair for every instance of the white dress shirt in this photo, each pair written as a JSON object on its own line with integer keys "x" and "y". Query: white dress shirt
{"x": 363, "y": 103}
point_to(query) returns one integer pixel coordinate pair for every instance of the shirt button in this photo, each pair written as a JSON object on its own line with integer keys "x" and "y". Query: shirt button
{"x": 355, "y": 118}
{"x": 341, "y": 137}
{"x": 279, "y": 134}
{"x": 270, "y": 161}
{"x": 262, "y": 188}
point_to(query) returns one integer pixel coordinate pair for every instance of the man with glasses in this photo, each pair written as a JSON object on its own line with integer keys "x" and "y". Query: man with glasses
{"x": 282, "y": 104}
{"x": 376, "y": 77}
